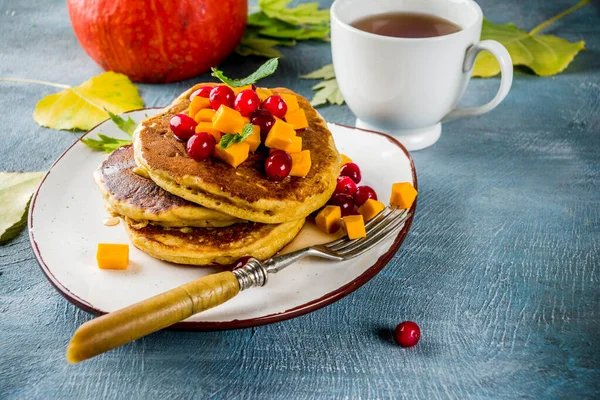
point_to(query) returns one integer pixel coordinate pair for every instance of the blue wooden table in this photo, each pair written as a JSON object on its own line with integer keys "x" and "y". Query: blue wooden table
{"x": 501, "y": 268}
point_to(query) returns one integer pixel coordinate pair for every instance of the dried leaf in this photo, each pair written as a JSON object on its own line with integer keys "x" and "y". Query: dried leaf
{"x": 327, "y": 90}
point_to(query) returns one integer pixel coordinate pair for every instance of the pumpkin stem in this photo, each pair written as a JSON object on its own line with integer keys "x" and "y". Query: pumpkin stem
{"x": 58, "y": 85}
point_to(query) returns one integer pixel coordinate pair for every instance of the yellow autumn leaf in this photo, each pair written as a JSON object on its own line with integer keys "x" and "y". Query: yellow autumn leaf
{"x": 15, "y": 191}
{"x": 546, "y": 54}
{"x": 85, "y": 106}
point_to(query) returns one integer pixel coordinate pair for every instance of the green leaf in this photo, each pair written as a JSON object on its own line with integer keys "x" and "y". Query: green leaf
{"x": 106, "y": 144}
{"x": 15, "y": 192}
{"x": 327, "y": 90}
{"x": 258, "y": 47}
{"x": 261, "y": 24}
{"x": 300, "y": 33}
{"x": 268, "y": 68}
{"x": 85, "y": 106}
{"x": 126, "y": 125}
{"x": 303, "y": 14}
{"x": 231, "y": 138}
{"x": 545, "y": 55}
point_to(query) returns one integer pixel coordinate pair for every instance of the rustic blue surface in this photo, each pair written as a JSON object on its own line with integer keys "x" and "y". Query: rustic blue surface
{"x": 501, "y": 268}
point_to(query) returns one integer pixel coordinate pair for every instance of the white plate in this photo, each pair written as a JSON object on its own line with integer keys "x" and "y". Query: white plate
{"x": 65, "y": 225}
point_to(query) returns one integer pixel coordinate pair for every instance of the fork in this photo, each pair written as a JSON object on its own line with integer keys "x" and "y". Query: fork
{"x": 140, "y": 319}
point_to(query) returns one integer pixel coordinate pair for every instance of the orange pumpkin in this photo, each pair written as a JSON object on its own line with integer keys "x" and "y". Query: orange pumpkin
{"x": 158, "y": 41}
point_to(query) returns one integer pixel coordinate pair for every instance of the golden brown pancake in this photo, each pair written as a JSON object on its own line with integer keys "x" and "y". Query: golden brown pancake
{"x": 244, "y": 192}
{"x": 138, "y": 199}
{"x": 207, "y": 246}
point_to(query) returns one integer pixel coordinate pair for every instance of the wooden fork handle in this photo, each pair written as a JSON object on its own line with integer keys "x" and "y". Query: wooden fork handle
{"x": 123, "y": 326}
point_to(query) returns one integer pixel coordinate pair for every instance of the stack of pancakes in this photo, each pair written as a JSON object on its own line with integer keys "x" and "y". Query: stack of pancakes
{"x": 202, "y": 213}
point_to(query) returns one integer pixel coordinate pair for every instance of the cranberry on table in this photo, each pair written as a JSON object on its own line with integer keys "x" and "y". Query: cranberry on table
{"x": 240, "y": 262}
{"x": 364, "y": 193}
{"x": 264, "y": 119}
{"x": 345, "y": 185}
{"x": 351, "y": 170}
{"x": 246, "y": 102}
{"x": 407, "y": 334}
{"x": 183, "y": 127}
{"x": 201, "y": 146}
{"x": 204, "y": 91}
{"x": 344, "y": 202}
{"x": 221, "y": 95}
{"x": 276, "y": 105}
{"x": 278, "y": 165}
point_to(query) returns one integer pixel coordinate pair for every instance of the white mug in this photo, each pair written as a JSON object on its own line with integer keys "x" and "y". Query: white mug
{"x": 407, "y": 86}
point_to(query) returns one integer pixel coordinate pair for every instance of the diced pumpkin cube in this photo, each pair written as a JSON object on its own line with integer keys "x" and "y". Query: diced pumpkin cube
{"x": 280, "y": 136}
{"x": 207, "y": 127}
{"x": 228, "y": 120}
{"x": 355, "y": 226}
{"x": 291, "y": 101}
{"x": 254, "y": 139}
{"x": 297, "y": 119}
{"x": 300, "y": 163}
{"x": 345, "y": 160}
{"x": 403, "y": 194}
{"x": 236, "y": 90}
{"x": 329, "y": 219}
{"x": 246, "y": 120}
{"x": 197, "y": 104}
{"x": 112, "y": 256}
{"x": 295, "y": 146}
{"x": 234, "y": 155}
{"x": 205, "y": 115}
{"x": 370, "y": 209}
{"x": 263, "y": 93}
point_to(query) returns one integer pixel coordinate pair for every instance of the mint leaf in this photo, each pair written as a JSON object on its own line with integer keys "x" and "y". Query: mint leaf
{"x": 231, "y": 138}
{"x": 268, "y": 68}
{"x": 106, "y": 144}
{"x": 128, "y": 126}
{"x": 303, "y": 14}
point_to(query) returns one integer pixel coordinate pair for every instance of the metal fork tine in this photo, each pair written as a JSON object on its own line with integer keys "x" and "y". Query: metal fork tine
{"x": 370, "y": 242}
{"x": 381, "y": 224}
{"x": 383, "y": 214}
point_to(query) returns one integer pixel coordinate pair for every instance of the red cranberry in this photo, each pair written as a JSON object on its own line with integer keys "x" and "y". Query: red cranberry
{"x": 204, "y": 91}
{"x": 364, "y": 193}
{"x": 276, "y": 105}
{"x": 240, "y": 263}
{"x": 407, "y": 334}
{"x": 183, "y": 127}
{"x": 343, "y": 201}
{"x": 246, "y": 102}
{"x": 351, "y": 170}
{"x": 201, "y": 146}
{"x": 221, "y": 95}
{"x": 264, "y": 119}
{"x": 345, "y": 185}
{"x": 278, "y": 165}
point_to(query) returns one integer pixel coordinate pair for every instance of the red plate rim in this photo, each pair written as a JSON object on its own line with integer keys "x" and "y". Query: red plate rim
{"x": 306, "y": 308}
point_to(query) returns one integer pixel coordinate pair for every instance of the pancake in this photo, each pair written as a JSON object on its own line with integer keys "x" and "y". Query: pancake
{"x": 138, "y": 199}
{"x": 206, "y": 246}
{"x": 244, "y": 192}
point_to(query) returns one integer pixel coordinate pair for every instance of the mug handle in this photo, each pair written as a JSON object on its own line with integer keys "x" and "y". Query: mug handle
{"x": 506, "y": 70}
